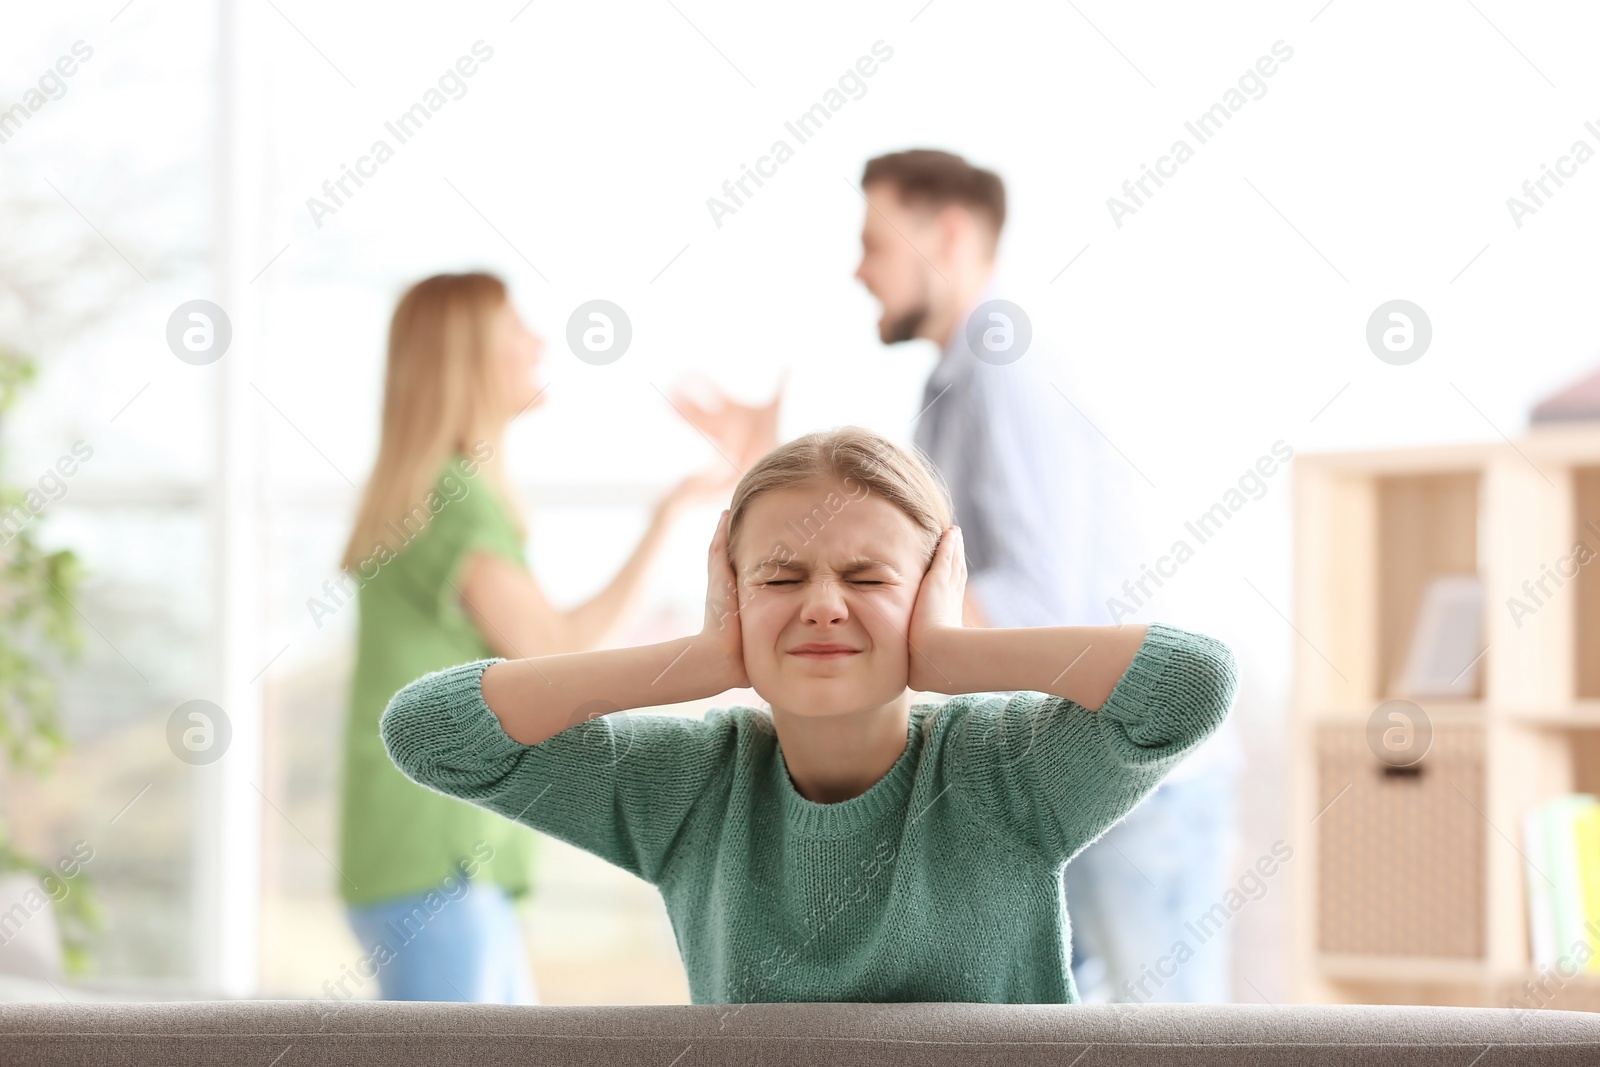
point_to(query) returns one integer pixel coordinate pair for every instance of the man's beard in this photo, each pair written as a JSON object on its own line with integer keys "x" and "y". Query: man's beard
{"x": 905, "y": 327}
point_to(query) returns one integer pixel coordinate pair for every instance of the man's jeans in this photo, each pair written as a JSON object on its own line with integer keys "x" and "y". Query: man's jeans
{"x": 469, "y": 949}
{"x": 1132, "y": 895}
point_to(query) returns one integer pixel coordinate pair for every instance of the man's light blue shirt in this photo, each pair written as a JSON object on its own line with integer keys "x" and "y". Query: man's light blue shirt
{"x": 1039, "y": 494}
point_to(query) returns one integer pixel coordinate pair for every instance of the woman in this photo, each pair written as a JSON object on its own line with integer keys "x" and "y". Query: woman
{"x": 437, "y": 549}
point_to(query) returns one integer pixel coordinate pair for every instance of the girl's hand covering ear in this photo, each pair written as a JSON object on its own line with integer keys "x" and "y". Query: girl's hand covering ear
{"x": 720, "y": 635}
{"x": 939, "y": 602}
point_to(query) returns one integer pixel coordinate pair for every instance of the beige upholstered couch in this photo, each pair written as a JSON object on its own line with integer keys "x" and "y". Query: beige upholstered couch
{"x": 294, "y": 1033}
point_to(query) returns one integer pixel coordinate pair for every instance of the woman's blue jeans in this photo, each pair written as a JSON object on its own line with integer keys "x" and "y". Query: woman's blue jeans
{"x": 466, "y": 947}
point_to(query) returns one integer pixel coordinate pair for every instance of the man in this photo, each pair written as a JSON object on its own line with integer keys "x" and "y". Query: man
{"x": 1040, "y": 498}
{"x": 1038, "y": 495}
{"x": 992, "y": 422}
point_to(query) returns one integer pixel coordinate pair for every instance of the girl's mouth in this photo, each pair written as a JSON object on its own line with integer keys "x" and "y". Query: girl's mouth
{"x": 821, "y": 650}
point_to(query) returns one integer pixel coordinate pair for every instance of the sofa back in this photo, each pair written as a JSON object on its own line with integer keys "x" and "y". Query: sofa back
{"x": 289, "y": 1033}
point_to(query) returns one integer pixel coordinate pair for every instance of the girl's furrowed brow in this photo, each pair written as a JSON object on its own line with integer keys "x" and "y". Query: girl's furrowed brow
{"x": 861, "y": 563}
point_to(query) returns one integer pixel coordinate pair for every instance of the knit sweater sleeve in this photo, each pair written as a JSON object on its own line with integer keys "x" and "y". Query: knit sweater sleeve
{"x": 621, "y": 785}
{"x": 1054, "y": 775}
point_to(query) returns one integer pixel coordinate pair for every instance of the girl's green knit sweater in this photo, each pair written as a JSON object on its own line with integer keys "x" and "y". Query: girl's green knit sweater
{"x": 940, "y": 883}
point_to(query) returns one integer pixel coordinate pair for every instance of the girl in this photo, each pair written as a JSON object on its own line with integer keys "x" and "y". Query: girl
{"x": 850, "y": 844}
{"x": 436, "y": 564}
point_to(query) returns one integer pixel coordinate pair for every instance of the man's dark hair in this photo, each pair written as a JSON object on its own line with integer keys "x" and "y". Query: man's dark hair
{"x": 929, "y": 176}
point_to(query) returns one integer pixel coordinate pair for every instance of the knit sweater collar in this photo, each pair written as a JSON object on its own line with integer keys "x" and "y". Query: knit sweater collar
{"x": 887, "y": 795}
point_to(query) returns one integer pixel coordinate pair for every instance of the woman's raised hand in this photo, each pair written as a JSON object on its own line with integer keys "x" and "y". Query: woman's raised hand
{"x": 720, "y": 635}
{"x": 742, "y": 432}
{"x": 938, "y": 610}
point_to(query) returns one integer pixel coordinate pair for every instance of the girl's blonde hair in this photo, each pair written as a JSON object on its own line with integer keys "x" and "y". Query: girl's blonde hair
{"x": 442, "y": 394}
{"x": 854, "y": 456}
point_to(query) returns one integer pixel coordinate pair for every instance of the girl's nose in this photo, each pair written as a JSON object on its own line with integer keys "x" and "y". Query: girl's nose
{"x": 824, "y": 601}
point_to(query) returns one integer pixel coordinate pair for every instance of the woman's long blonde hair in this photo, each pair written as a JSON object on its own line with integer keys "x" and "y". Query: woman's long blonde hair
{"x": 441, "y": 394}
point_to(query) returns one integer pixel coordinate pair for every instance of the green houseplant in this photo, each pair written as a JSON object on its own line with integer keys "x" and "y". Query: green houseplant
{"x": 38, "y": 627}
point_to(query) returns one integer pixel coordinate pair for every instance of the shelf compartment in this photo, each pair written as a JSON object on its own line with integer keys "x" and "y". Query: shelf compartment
{"x": 1427, "y": 529}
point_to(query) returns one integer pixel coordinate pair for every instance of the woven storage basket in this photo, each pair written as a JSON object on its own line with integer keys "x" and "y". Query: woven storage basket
{"x": 1401, "y": 852}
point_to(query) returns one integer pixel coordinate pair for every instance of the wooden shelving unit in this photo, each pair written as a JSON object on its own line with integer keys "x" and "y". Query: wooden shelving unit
{"x": 1409, "y": 887}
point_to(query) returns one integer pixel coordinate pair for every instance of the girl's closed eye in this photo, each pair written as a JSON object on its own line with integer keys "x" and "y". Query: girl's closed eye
{"x": 853, "y": 581}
